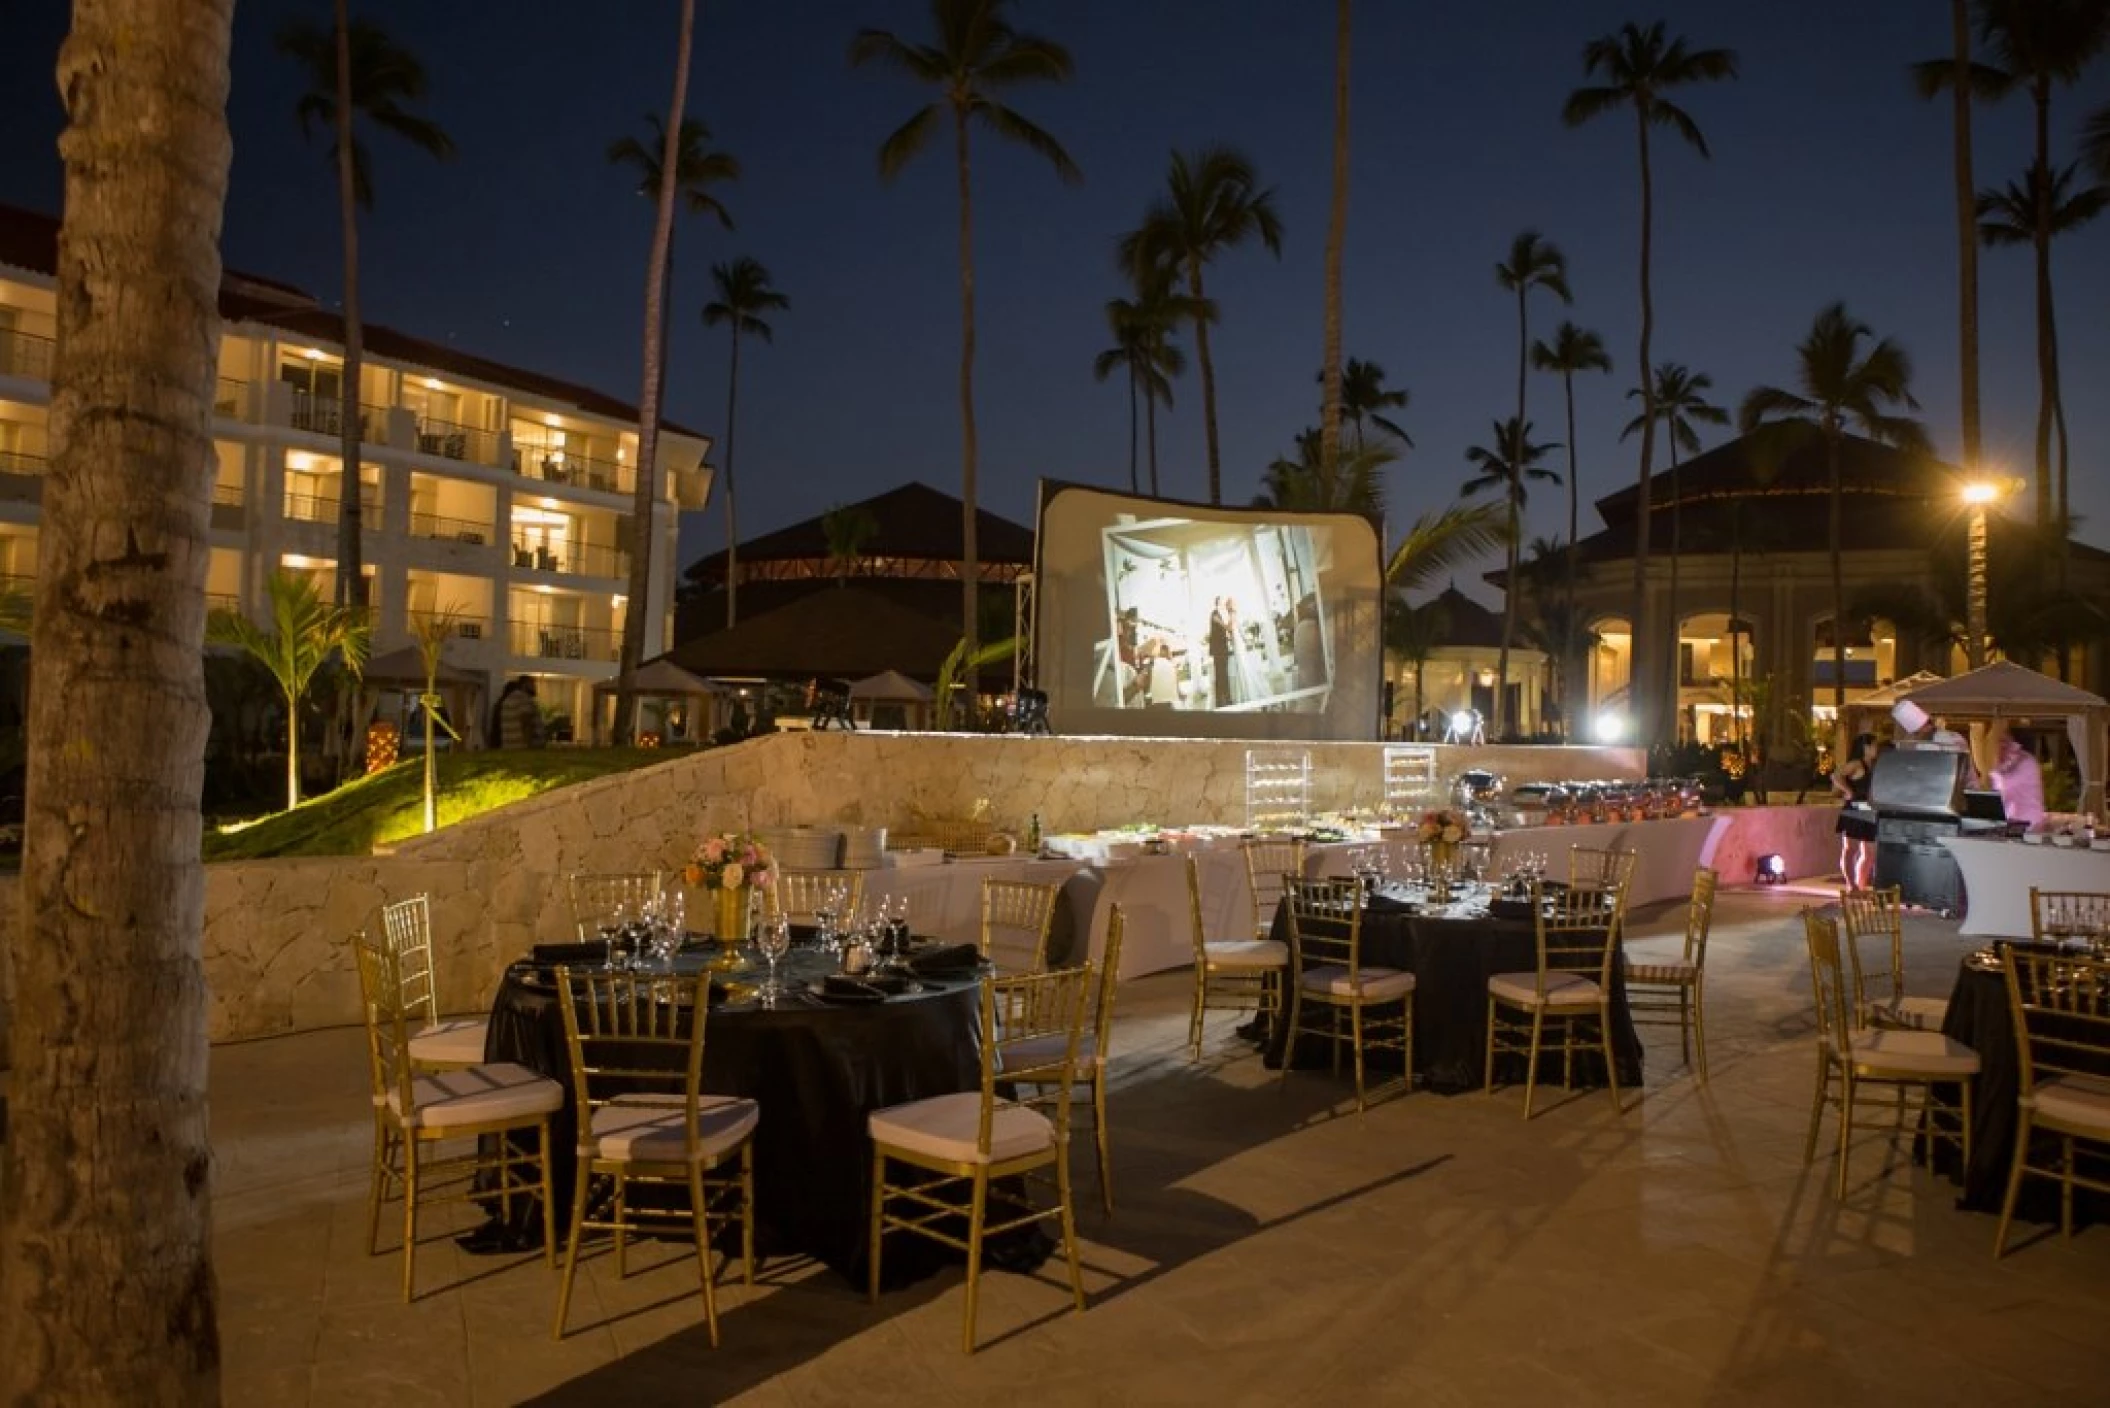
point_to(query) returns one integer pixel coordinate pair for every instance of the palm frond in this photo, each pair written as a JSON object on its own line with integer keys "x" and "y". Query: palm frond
{"x": 905, "y": 141}
{"x": 1444, "y": 538}
{"x": 1012, "y": 127}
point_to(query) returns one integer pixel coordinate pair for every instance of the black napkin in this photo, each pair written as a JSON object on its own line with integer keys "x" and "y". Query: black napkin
{"x": 952, "y": 958}
{"x": 841, "y": 987}
{"x": 1510, "y": 907}
{"x": 550, "y": 955}
{"x": 1388, "y": 902}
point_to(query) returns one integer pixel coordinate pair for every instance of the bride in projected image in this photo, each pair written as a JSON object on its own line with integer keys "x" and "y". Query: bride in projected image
{"x": 1214, "y": 617}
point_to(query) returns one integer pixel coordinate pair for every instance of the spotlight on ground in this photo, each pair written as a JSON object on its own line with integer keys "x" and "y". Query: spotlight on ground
{"x": 1610, "y": 728}
{"x": 1772, "y": 870}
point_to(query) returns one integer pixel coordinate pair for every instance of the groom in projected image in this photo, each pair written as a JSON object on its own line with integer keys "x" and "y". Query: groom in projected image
{"x": 1220, "y": 618}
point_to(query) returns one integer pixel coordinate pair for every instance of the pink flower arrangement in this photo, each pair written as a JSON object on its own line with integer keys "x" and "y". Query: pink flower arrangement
{"x": 1445, "y": 826}
{"x": 729, "y": 860}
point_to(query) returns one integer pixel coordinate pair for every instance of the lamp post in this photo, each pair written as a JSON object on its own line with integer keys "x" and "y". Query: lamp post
{"x": 1978, "y": 495}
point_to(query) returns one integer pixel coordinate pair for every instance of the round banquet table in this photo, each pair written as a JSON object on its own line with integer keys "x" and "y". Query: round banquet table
{"x": 1452, "y": 955}
{"x": 816, "y": 1069}
{"x": 1980, "y": 1018}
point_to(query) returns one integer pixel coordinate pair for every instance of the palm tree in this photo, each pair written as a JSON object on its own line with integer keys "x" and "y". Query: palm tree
{"x": 305, "y": 634}
{"x": 1442, "y": 539}
{"x": 1839, "y": 386}
{"x": 1213, "y": 202}
{"x": 106, "y": 1233}
{"x": 2095, "y": 142}
{"x": 1638, "y": 66}
{"x": 1413, "y": 633}
{"x": 744, "y": 295}
{"x": 1533, "y": 262}
{"x": 1964, "y": 81}
{"x": 1681, "y": 402}
{"x": 430, "y": 631}
{"x": 1572, "y": 350}
{"x": 1142, "y": 329}
{"x": 356, "y": 71}
{"x": 847, "y": 528}
{"x": 1304, "y": 484}
{"x": 978, "y": 55}
{"x": 2036, "y": 46}
{"x": 1364, "y": 397}
{"x": 2032, "y": 211}
{"x": 696, "y": 169}
{"x": 1512, "y": 461}
{"x": 654, "y": 381}
{"x": 1336, "y": 237}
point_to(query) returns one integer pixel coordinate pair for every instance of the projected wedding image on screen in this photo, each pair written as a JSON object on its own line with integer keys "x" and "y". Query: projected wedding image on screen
{"x": 1166, "y": 618}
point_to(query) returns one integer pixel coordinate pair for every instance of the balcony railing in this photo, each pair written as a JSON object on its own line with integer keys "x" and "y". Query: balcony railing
{"x": 540, "y": 642}
{"x": 324, "y": 415}
{"x": 452, "y": 530}
{"x": 315, "y": 508}
{"x": 568, "y": 467}
{"x": 456, "y": 442}
{"x": 230, "y": 398}
{"x": 222, "y": 601}
{"x": 227, "y": 495}
{"x": 25, "y": 354}
{"x": 16, "y": 462}
{"x": 570, "y": 559}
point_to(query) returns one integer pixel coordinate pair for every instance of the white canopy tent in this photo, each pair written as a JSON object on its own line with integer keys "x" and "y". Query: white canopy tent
{"x": 2004, "y": 690}
{"x": 892, "y": 687}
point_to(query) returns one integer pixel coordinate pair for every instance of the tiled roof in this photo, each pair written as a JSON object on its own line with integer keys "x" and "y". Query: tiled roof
{"x": 912, "y": 521}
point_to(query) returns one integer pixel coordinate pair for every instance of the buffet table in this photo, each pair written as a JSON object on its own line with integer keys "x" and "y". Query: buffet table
{"x": 945, "y": 900}
{"x": 1999, "y": 874}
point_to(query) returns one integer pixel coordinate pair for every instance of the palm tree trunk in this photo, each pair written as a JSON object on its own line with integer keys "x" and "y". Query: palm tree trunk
{"x": 970, "y": 567}
{"x": 645, "y": 498}
{"x": 350, "y": 589}
{"x": 1336, "y": 237}
{"x": 106, "y": 1227}
{"x": 1837, "y": 515}
{"x": 1639, "y": 705}
{"x": 292, "y": 752}
{"x": 1675, "y": 627}
{"x": 1208, "y": 366}
{"x": 1134, "y": 485}
{"x": 1150, "y": 414}
{"x": 732, "y": 527}
{"x": 1966, "y": 235}
{"x": 1736, "y": 637}
{"x": 2047, "y": 357}
{"x": 1574, "y": 521}
{"x": 1509, "y": 601}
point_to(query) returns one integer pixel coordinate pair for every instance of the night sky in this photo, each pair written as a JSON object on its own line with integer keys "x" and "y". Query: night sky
{"x": 1829, "y": 180}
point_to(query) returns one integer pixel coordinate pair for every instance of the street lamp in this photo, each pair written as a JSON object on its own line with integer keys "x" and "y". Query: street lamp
{"x": 1977, "y": 494}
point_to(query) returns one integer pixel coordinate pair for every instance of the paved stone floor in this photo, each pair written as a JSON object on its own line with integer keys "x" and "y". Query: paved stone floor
{"x": 1269, "y": 1246}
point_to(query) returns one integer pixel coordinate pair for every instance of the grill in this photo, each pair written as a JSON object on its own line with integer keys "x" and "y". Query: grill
{"x": 1919, "y": 798}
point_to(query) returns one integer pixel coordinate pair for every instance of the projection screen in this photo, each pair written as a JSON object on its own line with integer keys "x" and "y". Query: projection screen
{"x": 1168, "y": 619}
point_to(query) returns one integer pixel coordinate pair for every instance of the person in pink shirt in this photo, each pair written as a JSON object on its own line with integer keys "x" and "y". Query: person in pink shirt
{"x": 2019, "y": 779}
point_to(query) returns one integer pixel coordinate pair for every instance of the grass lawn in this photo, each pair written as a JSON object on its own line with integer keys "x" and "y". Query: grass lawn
{"x": 389, "y": 806}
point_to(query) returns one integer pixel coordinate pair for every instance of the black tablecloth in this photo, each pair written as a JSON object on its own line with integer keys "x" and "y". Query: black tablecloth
{"x": 816, "y": 1070}
{"x": 1451, "y": 960}
{"x": 1980, "y": 1018}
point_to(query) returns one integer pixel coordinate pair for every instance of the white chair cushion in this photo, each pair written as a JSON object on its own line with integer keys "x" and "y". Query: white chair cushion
{"x": 653, "y": 1128}
{"x": 1035, "y": 1052}
{"x": 478, "y": 1095}
{"x": 945, "y": 1126}
{"x": 1892, "y": 1051}
{"x": 1247, "y": 954}
{"x": 1369, "y": 984}
{"x": 1562, "y": 990}
{"x": 2075, "y": 1102}
{"x": 458, "y": 1041}
{"x": 1919, "y": 1014}
{"x": 1676, "y": 973}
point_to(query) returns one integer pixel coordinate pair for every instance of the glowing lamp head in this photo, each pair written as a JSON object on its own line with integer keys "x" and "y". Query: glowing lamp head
{"x": 1980, "y": 492}
{"x": 1462, "y": 722}
{"x": 1610, "y": 728}
{"x": 1772, "y": 870}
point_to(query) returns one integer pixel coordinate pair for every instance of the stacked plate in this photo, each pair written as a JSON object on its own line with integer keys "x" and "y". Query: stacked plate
{"x": 864, "y": 847}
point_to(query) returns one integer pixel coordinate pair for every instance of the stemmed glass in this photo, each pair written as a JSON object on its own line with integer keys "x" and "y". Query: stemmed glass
{"x": 612, "y": 926}
{"x": 774, "y": 939}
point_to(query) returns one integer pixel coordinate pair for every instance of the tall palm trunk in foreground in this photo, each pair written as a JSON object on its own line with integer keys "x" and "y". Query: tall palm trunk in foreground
{"x": 106, "y": 1282}
{"x": 1336, "y": 236}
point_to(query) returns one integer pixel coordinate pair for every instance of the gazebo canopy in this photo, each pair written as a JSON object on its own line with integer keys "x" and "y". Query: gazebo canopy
{"x": 2005, "y": 690}
{"x": 890, "y": 685}
{"x": 405, "y": 668}
{"x": 662, "y": 676}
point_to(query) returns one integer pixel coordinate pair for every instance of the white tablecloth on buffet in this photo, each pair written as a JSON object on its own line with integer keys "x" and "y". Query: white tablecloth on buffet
{"x": 1999, "y": 874}
{"x": 1669, "y": 851}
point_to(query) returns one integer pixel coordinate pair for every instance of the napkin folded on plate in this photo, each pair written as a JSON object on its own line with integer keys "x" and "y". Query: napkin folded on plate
{"x": 550, "y": 954}
{"x": 841, "y": 987}
{"x": 1510, "y": 907}
{"x": 1389, "y": 902}
{"x": 949, "y": 959}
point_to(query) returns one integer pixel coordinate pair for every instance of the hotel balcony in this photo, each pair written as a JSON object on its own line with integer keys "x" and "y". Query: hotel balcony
{"x": 315, "y": 508}
{"x": 440, "y": 528}
{"x": 571, "y": 559}
{"x": 25, "y": 354}
{"x": 567, "y": 467}
{"x": 536, "y": 641}
{"x": 22, "y": 476}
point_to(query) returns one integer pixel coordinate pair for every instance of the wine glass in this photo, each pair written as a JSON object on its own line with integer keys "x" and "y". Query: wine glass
{"x": 774, "y": 939}
{"x": 612, "y": 926}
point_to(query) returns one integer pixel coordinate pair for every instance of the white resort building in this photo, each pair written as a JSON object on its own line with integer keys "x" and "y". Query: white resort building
{"x": 498, "y": 494}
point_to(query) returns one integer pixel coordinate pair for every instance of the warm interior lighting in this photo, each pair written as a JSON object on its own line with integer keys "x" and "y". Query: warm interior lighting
{"x": 539, "y": 516}
{"x": 550, "y": 421}
{"x": 313, "y": 354}
{"x": 432, "y": 383}
{"x": 1980, "y": 492}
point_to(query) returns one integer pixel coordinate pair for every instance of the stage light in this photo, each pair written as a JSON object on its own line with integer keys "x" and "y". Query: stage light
{"x": 1772, "y": 870}
{"x": 1462, "y": 724}
{"x": 828, "y": 701}
{"x": 1610, "y": 727}
{"x": 1029, "y": 712}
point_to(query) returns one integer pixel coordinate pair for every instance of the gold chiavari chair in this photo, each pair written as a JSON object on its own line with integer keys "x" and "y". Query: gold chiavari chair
{"x": 799, "y": 895}
{"x": 1094, "y": 1047}
{"x": 1676, "y": 990}
{"x": 2061, "y": 1007}
{"x": 1329, "y": 976}
{"x": 1610, "y": 871}
{"x": 636, "y": 1044}
{"x": 1230, "y": 973}
{"x": 1268, "y": 860}
{"x": 596, "y": 896}
{"x": 2058, "y": 915}
{"x": 975, "y": 1138}
{"x": 414, "y": 1112}
{"x": 436, "y": 1043}
{"x": 1017, "y": 917}
{"x": 1851, "y": 1056}
{"x": 1572, "y": 986}
{"x": 1875, "y": 920}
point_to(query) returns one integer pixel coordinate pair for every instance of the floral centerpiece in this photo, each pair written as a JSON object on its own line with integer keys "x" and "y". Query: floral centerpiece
{"x": 732, "y": 865}
{"x": 1440, "y": 831}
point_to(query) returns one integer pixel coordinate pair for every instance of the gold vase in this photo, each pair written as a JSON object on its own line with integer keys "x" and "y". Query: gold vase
{"x": 729, "y": 914}
{"x": 1443, "y": 868}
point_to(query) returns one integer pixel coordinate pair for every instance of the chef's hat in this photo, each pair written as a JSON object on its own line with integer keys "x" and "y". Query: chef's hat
{"x": 1909, "y": 716}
